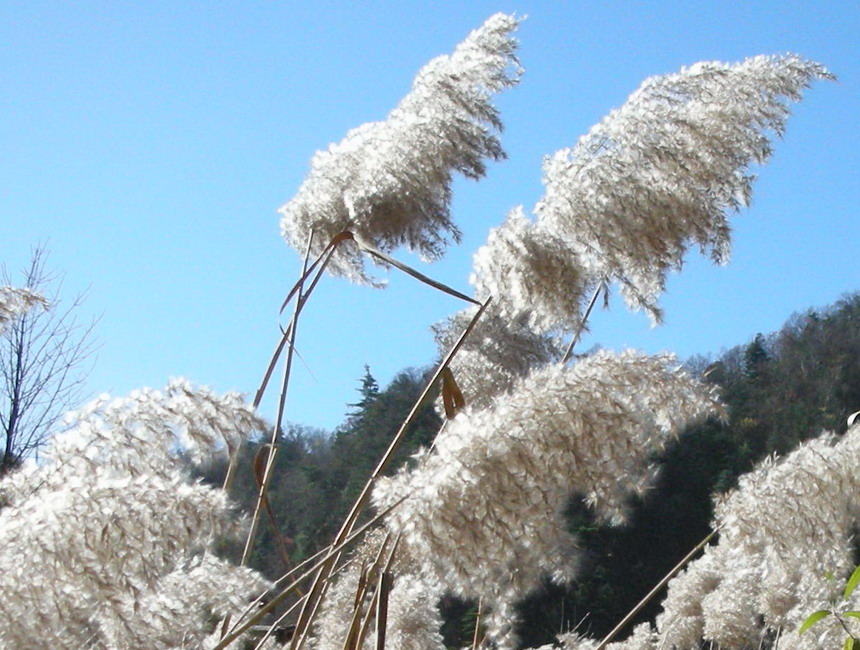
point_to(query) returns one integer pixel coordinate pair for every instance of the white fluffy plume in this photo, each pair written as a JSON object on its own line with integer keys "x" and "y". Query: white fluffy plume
{"x": 655, "y": 176}
{"x": 389, "y": 182}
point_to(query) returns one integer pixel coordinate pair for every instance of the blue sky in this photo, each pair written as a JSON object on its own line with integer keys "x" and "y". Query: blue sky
{"x": 150, "y": 145}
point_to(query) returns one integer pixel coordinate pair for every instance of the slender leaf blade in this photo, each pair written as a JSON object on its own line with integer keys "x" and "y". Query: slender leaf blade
{"x": 413, "y": 272}
{"x": 813, "y": 618}
{"x": 852, "y": 583}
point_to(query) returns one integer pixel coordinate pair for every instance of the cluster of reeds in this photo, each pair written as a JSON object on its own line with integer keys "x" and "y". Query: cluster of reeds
{"x": 125, "y": 538}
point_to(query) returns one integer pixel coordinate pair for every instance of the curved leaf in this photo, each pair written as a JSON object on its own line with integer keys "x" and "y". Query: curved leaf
{"x": 452, "y": 397}
{"x": 813, "y": 618}
{"x": 852, "y": 583}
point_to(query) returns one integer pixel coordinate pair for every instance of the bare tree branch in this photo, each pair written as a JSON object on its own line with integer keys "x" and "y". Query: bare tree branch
{"x": 44, "y": 361}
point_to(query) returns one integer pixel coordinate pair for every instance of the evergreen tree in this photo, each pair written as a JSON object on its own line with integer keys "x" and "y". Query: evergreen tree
{"x": 755, "y": 357}
{"x": 369, "y": 391}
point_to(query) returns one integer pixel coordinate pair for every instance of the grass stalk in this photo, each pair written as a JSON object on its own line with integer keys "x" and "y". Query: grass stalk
{"x": 311, "y": 603}
{"x": 231, "y": 468}
{"x": 387, "y": 259}
{"x": 282, "y": 400}
{"x": 286, "y": 333}
{"x": 583, "y": 321}
{"x": 238, "y": 630}
{"x": 350, "y": 642}
{"x": 379, "y": 606}
{"x": 356, "y": 641}
{"x": 386, "y": 580}
{"x": 358, "y": 628}
{"x": 656, "y": 589}
{"x": 477, "y": 636}
{"x": 288, "y": 341}
{"x": 271, "y": 629}
{"x": 260, "y": 463}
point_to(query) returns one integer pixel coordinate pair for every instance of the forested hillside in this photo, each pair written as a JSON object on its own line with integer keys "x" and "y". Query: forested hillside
{"x": 779, "y": 389}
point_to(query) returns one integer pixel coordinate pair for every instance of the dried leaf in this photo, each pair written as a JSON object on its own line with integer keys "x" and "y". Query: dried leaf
{"x": 452, "y": 397}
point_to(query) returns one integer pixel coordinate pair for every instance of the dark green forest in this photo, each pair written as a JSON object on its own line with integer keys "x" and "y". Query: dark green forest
{"x": 779, "y": 389}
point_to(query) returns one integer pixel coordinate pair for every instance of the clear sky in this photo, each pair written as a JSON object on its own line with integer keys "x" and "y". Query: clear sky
{"x": 151, "y": 143}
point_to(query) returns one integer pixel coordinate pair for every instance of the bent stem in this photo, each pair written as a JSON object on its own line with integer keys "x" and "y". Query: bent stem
{"x": 231, "y": 468}
{"x": 325, "y": 258}
{"x": 270, "y": 457}
{"x": 288, "y": 341}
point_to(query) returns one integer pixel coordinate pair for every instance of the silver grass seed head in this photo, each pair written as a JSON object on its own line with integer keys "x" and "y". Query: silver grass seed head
{"x": 147, "y": 430}
{"x": 389, "y": 182}
{"x": 111, "y": 531}
{"x": 532, "y": 274}
{"x": 788, "y": 523}
{"x": 484, "y": 506}
{"x": 666, "y": 169}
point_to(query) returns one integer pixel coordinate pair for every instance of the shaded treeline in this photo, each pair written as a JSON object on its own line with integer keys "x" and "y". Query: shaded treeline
{"x": 779, "y": 389}
{"x": 318, "y": 476}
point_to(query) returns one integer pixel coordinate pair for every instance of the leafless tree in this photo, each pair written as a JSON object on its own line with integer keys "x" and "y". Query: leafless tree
{"x": 44, "y": 355}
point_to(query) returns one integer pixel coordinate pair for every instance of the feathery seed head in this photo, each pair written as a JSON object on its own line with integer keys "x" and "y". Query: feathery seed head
{"x": 788, "y": 523}
{"x": 484, "y": 506}
{"x": 389, "y": 182}
{"x": 107, "y": 542}
{"x": 664, "y": 170}
{"x": 532, "y": 274}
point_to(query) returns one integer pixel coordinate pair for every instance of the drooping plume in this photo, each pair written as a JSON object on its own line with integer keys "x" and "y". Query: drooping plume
{"x": 664, "y": 171}
{"x": 108, "y": 542}
{"x": 789, "y": 523}
{"x": 389, "y": 182}
{"x": 483, "y": 509}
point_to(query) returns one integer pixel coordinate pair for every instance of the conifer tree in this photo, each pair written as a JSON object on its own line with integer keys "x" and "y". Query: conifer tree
{"x": 369, "y": 391}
